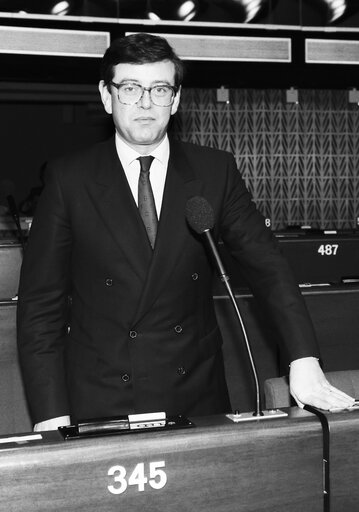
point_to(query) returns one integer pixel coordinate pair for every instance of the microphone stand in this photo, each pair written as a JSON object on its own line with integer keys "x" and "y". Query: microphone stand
{"x": 258, "y": 412}
{"x": 258, "y": 405}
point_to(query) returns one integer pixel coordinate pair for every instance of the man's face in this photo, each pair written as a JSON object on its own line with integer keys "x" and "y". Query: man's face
{"x": 142, "y": 125}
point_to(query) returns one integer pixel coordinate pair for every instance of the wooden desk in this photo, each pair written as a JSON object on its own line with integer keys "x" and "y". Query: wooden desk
{"x": 344, "y": 461}
{"x": 14, "y": 416}
{"x": 10, "y": 263}
{"x": 268, "y": 466}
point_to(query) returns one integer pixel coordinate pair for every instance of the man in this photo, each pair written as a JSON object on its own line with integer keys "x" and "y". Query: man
{"x": 141, "y": 334}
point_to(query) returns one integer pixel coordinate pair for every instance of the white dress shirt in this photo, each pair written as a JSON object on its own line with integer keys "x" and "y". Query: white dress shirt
{"x": 158, "y": 171}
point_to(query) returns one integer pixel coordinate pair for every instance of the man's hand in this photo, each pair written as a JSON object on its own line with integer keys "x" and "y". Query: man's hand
{"x": 309, "y": 386}
{"x": 52, "y": 424}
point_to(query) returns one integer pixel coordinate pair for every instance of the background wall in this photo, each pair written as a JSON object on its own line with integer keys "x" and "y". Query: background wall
{"x": 301, "y": 162}
{"x": 33, "y": 132}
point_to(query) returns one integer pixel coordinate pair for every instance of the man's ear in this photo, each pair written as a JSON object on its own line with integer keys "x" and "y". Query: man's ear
{"x": 176, "y": 101}
{"x": 105, "y": 96}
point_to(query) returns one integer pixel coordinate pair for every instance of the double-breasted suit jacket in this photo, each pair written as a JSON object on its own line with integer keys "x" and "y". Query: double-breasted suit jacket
{"x": 141, "y": 333}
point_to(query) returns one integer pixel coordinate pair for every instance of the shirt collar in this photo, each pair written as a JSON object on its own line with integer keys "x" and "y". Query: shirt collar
{"x": 127, "y": 155}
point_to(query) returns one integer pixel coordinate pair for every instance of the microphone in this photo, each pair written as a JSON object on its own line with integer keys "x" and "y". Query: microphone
{"x": 7, "y": 188}
{"x": 200, "y": 217}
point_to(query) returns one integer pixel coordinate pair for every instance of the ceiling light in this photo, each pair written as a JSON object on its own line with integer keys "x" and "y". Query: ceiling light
{"x": 61, "y": 8}
{"x": 337, "y": 8}
{"x": 182, "y": 10}
{"x": 252, "y": 8}
{"x": 187, "y": 10}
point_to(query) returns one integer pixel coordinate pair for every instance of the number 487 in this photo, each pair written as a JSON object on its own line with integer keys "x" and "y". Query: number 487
{"x": 328, "y": 249}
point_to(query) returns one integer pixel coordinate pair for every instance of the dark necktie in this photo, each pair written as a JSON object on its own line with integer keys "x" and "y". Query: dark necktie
{"x": 146, "y": 202}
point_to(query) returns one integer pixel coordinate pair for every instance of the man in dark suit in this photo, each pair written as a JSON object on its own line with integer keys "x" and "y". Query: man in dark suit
{"x": 141, "y": 333}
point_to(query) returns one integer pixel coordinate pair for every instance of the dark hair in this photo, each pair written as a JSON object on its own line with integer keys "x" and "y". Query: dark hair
{"x": 139, "y": 49}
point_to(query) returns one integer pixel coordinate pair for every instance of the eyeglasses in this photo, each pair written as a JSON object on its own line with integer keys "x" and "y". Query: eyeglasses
{"x": 161, "y": 95}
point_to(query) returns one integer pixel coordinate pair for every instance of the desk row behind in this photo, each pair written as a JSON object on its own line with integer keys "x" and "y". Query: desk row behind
{"x": 314, "y": 258}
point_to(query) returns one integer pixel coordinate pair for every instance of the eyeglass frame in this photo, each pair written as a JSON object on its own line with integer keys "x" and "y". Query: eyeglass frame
{"x": 149, "y": 89}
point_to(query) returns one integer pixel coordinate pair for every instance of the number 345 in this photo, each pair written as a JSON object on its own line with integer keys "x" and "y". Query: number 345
{"x": 156, "y": 478}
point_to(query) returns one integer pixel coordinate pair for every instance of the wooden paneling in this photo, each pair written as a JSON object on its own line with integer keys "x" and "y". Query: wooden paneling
{"x": 10, "y": 263}
{"x": 344, "y": 456}
{"x": 14, "y": 416}
{"x": 217, "y": 466}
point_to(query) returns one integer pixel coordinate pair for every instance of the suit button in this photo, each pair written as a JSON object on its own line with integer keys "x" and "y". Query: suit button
{"x": 178, "y": 329}
{"x": 181, "y": 370}
{"x": 109, "y": 282}
{"x": 195, "y": 276}
{"x": 125, "y": 377}
{"x": 133, "y": 334}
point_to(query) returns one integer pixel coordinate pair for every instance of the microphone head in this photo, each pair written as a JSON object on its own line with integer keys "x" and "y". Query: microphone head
{"x": 199, "y": 214}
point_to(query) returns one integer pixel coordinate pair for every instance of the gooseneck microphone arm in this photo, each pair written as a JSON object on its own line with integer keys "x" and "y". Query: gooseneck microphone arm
{"x": 212, "y": 249}
{"x": 225, "y": 280}
{"x": 200, "y": 217}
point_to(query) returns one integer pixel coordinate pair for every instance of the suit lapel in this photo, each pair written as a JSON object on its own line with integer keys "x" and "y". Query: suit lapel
{"x": 172, "y": 230}
{"x": 114, "y": 202}
{"x": 112, "y": 197}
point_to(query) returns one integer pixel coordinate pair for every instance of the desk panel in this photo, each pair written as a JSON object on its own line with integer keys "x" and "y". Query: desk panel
{"x": 14, "y": 416}
{"x": 344, "y": 461}
{"x": 268, "y": 466}
{"x": 10, "y": 264}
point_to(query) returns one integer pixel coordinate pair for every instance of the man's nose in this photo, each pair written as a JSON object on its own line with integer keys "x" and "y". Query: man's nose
{"x": 145, "y": 100}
